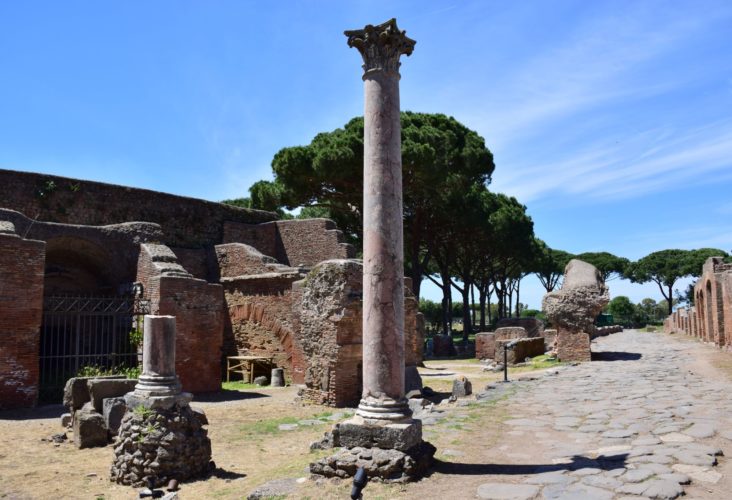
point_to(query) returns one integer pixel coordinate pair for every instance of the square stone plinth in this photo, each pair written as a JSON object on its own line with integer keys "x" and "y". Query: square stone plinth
{"x": 573, "y": 346}
{"x": 402, "y": 436}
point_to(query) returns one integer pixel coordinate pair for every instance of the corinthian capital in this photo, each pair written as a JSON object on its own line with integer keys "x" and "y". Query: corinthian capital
{"x": 380, "y": 46}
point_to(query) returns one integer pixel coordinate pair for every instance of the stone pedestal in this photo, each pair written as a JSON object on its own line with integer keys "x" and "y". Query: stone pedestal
{"x": 383, "y": 419}
{"x": 573, "y": 346}
{"x": 161, "y": 437}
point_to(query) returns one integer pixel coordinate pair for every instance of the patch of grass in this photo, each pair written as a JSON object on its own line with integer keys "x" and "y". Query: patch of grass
{"x": 238, "y": 385}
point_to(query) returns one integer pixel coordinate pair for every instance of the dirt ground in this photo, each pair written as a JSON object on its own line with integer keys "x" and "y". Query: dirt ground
{"x": 249, "y": 449}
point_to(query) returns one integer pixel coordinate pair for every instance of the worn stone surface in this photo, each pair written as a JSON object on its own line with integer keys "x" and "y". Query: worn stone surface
{"x": 399, "y": 436}
{"x": 103, "y": 388}
{"x": 388, "y": 465}
{"x": 634, "y": 422}
{"x": 277, "y": 488}
{"x": 507, "y": 491}
{"x": 89, "y": 428}
{"x": 462, "y": 387}
{"x": 113, "y": 410}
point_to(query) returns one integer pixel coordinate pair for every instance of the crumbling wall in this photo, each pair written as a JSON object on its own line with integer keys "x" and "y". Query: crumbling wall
{"x": 186, "y": 222}
{"x": 259, "y": 319}
{"x": 330, "y": 334}
{"x": 299, "y": 242}
{"x": 21, "y": 311}
{"x": 199, "y": 315}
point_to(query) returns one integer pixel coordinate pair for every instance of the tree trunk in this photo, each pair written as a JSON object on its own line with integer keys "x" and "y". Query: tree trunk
{"x": 472, "y": 302}
{"x": 466, "y": 312}
{"x": 518, "y": 297}
{"x": 481, "y": 299}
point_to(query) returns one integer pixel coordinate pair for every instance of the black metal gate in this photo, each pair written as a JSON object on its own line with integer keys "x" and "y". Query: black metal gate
{"x": 85, "y": 332}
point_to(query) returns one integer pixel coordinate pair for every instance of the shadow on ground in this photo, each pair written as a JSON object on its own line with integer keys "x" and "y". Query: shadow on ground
{"x": 37, "y": 413}
{"x": 604, "y": 462}
{"x": 615, "y": 356}
{"x": 227, "y": 395}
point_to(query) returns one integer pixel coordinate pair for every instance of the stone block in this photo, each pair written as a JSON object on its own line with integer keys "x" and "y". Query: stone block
{"x": 76, "y": 391}
{"x": 522, "y": 349}
{"x": 355, "y": 432}
{"x": 534, "y": 327}
{"x": 573, "y": 346}
{"x": 113, "y": 409}
{"x": 510, "y": 332}
{"x": 461, "y": 387}
{"x": 443, "y": 346}
{"x": 66, "y": 420}
{"x": 485, "y": 345}
{"x": 102, "y": 388}
{"x": 412, "y": 382}
{"x": 89, "y": 428}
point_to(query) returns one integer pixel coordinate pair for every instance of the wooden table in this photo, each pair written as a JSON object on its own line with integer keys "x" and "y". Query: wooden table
{"x": 245, "y": 365}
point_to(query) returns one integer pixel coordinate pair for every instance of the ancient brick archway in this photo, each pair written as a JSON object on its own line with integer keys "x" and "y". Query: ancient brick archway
{"x": 246, "y": 318}
{"x": 80, "y": 267}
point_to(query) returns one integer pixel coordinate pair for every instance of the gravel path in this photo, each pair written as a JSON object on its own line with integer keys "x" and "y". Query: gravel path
{"x": 634, "y": 423}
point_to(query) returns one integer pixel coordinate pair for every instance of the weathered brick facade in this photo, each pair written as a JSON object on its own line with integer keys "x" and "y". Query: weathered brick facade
{"x": 21, "y": 307}
{"x": 710, "y": 319}
{"x": 225, "y": 274}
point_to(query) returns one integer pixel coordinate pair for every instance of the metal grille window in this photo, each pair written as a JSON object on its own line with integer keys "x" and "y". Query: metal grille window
{"x": 85, "y": 331}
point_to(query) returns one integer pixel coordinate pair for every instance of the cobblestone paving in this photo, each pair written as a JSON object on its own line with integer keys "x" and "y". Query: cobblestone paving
{"x": 635, "y": 423}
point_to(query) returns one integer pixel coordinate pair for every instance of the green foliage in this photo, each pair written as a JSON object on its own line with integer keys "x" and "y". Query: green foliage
{"x": 610, "y": 266}
{"x": 98, "y": 371}
{"x": 143, "y": 411}
{"x": 238, "y": 385}
{"x": 622, "y": 309}
{"x": 549, "y": 264}
{"x": 239, "y": 202}
{"x": 136, "y": 337}
{"x": 667, "y": 266}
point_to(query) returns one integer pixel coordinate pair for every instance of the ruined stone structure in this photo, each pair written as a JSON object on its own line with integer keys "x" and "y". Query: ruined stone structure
{"x": 710, "y": 319}
{"x": 228, "y": 275}
{"x": 573, "y": 309}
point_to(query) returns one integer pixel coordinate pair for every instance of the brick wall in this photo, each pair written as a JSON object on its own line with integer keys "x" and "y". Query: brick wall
{"x": 185, "y": 221}
{"x": 21, "y": 311}
{"x": 301, "y": 242}
{"x": 534, "y": 327}
{"x": 522, "y": 349}
{"x": 259, "y": 320}
{"x": 199, "y": 315}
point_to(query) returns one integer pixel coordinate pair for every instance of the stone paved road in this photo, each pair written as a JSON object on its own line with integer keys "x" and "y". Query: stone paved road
{"x": 635, "y": 423}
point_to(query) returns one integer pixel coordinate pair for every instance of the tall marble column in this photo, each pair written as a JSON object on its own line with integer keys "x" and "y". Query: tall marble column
{"x": 383, "y": 249}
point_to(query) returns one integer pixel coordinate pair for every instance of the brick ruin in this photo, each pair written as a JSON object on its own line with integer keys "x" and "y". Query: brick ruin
{"x": 234, "y": 279}
{"x": 710, "y": 318}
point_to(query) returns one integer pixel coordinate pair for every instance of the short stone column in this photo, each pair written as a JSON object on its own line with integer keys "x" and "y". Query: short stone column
{"x": 158, "y": 385}
{"x": 161, "y": 437}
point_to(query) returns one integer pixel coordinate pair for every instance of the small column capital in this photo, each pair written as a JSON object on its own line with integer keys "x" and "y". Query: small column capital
{"x": 381, "y": 46}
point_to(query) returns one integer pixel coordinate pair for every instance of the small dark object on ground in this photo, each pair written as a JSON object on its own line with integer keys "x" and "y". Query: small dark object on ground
{"x": 360, "y": 479}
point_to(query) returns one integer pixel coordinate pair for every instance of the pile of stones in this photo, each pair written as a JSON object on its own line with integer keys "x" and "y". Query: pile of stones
{"x": 156, "y": 446}
{"x": 96, "y": 408}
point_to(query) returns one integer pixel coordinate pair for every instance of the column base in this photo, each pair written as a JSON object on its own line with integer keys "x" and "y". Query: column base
{"x": 375, "y": 410}
{"x": 358, "y": 432}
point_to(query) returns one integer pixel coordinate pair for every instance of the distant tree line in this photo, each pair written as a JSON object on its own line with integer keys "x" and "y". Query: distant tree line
{"x": 457, "y": 233}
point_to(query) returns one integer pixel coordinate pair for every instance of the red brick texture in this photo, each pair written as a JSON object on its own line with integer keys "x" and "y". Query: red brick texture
{"x": 485, "y": 345}
{"x": 303, "y": 242}
{"x": 199, "y": 315}
{"x": 710, "y": 319}
{"x": 259, "y": 320}
{"x": 573, "y": 346}
{"x": 21, "y": 310}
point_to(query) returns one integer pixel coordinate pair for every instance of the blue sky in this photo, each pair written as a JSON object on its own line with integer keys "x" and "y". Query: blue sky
{"x": 611, "y": 121}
